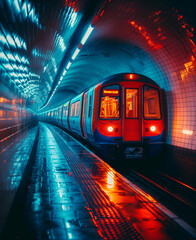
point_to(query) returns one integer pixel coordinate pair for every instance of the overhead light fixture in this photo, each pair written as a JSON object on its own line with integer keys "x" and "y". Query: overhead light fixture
{"x": 84, "y": 39}
{"x": 68, "y": 65}
{"x": 75, "y": 53}
{"x": 87, "y": 34}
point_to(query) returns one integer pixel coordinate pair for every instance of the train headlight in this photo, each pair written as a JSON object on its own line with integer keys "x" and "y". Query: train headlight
{"x": 110, "y": 129}
{"x": 152, "y": 128}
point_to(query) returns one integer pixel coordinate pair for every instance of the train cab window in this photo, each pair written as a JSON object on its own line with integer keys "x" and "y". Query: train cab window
{"x": 72, "y": 109}
{"x": 110, "y": 102}
{"x": 151, "y": 103}
{"x": 77, "y": 109}
{"x": 131, "y": 103}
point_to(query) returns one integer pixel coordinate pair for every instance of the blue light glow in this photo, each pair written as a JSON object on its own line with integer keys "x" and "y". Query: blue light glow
{"x": 10, "y": 41}
{"x": 87, "y": 34}
{"x": 61, "y": 42}
{"x": 8, "y": 66}
{"x": 3, "y": 56}
{"x": 15, "y": 66}
{"x": 16, "y": 5}
{"x": 27, "y": 11}
{"x": 24, "y": 46}
{"x": 10, "y": 56}
{"x": 24, "y": 10}
{"x": 17, "y": 57}
{"x": 3, "y": 39}
{"x": 17, "y": 42}
{"x": 13, "y": 74}
{"x": 73, "y": 18}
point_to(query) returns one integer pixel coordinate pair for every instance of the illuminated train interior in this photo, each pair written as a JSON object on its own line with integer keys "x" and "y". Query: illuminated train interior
{"x": 97, "y": 119}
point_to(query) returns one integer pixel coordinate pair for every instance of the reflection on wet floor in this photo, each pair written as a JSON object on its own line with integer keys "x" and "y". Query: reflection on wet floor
{"x": 111, "y": 198}
{"x": 55, "y": 207}
{"x": 73, "y": 194}
{"x": 14, "y": 158}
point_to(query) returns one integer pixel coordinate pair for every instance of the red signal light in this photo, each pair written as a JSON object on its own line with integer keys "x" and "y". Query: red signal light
{"x": 131, "y": 76}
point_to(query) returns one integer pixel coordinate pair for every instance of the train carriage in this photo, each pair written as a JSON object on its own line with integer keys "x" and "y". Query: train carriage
{"x": 121, "y": 115}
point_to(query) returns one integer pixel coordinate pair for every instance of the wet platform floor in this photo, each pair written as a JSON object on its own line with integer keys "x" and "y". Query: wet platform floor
{"x": 73, "y": 194}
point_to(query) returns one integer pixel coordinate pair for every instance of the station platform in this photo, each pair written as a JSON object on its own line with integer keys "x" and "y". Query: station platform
{"x": 73, "y": 194}
{"x": 15, "y": 167}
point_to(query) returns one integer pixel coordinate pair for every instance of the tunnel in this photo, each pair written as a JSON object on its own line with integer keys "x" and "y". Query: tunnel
{"x": 52, "y": 51}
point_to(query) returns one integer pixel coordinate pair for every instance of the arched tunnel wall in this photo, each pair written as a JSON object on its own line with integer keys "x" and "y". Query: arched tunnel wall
{"x": 146, "y": 37}
{"x": 135, "y": 37}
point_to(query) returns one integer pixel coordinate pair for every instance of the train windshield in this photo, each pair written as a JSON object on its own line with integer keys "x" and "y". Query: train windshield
{"x": 151, "y": 103}
{"x": 110, "y": 102}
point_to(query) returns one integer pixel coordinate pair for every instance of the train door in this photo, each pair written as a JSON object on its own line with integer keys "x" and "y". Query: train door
{"x": 132, "y": 124}
{"x": 84, "y": 114}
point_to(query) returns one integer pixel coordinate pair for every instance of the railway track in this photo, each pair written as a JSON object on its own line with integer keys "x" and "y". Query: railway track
{"x": 175, "y": 195}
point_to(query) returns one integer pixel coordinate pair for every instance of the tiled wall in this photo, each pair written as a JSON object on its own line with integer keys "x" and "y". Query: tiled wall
{"x": 164, "y": 49}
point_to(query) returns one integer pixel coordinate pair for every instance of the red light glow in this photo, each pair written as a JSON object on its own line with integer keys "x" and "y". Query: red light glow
{"x": 131, "y": 76}
{"x": 146, "y": 35}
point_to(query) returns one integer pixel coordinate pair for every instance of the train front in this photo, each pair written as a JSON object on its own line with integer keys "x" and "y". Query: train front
{"x": 130, "y": 120}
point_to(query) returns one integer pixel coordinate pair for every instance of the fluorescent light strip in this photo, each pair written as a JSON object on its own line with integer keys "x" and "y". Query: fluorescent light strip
{"x": 64, "y": 72}
{"x": 68, "y": 65}
{"x": 75, "y": 53}
{"x": 87, "y": 34}
{"x": 84, "y": 39}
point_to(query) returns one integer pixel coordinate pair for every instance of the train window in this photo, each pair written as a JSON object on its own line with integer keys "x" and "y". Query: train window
{"x": 131, "y": 103}
{"x": 85, "y": 105}
{"x": 151, "y": 103}
{"x": 72, "y": 109}
{"x": 110, "y": 102}
{"x": 90, "y": 106}
{"x": 65, "y": 114}
{"x": 77, "y": 109}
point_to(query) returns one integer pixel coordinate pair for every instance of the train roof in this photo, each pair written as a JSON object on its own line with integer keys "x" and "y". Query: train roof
{"x": 128, "y": 77}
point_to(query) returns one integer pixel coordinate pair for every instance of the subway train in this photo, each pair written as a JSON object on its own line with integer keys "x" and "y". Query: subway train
{"x": 122, "y": 116}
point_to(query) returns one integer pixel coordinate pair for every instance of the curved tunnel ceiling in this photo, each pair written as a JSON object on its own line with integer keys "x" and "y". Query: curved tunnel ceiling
{"x": 148, "y": 37}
